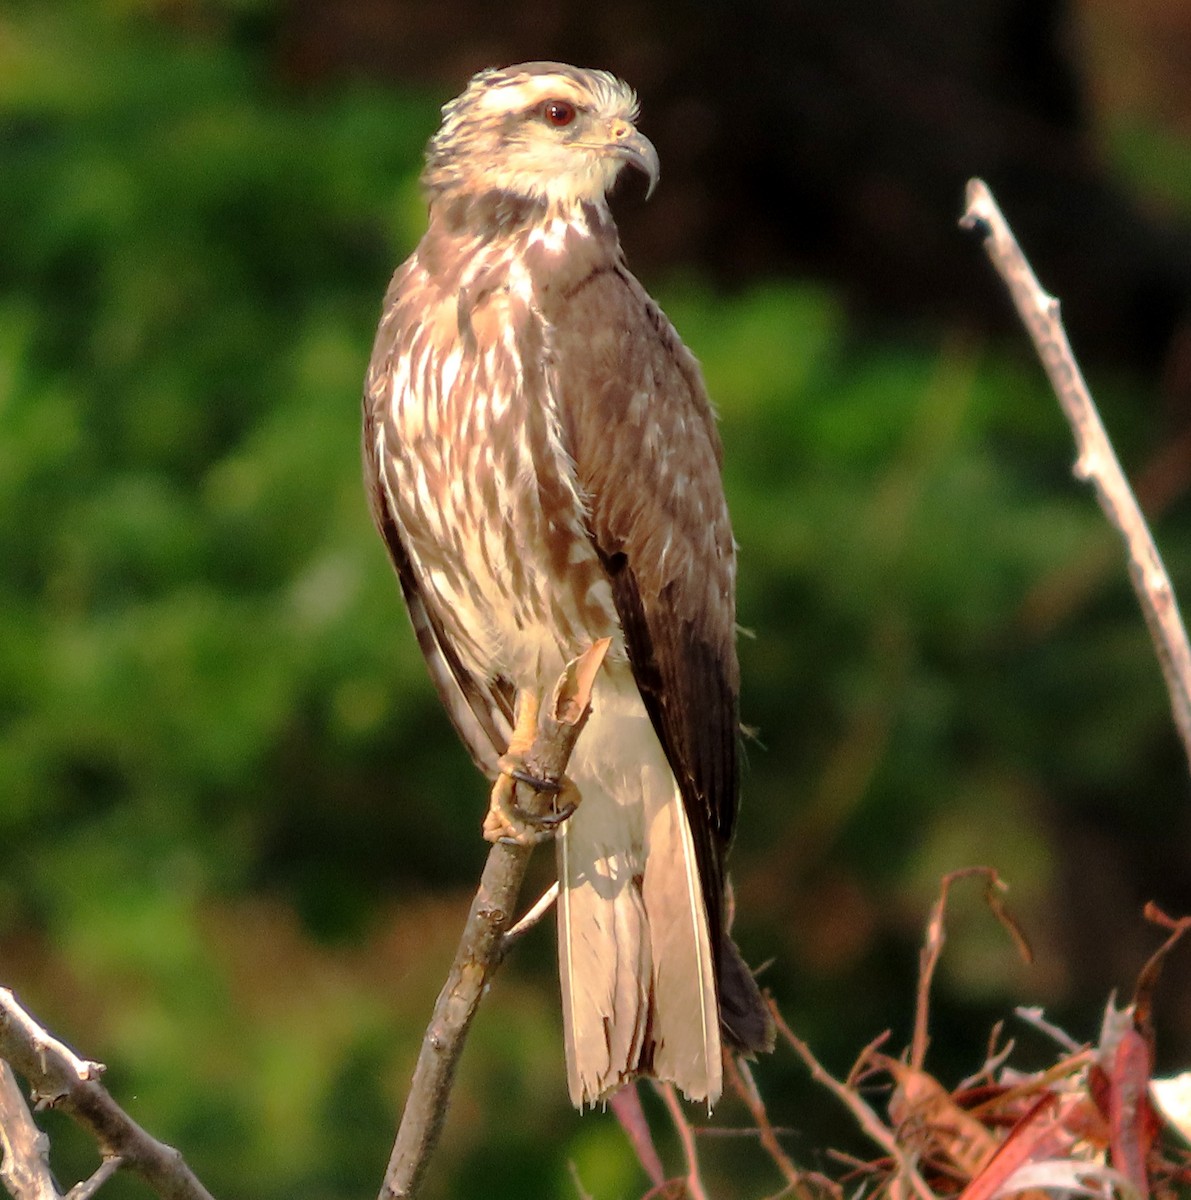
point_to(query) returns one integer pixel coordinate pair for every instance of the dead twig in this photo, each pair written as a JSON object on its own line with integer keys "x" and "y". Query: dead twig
{"x": 936, "y": 935}
{"x": 25, "y": 1169}
{"x": 740, "y": 1079}
{"x": 1097, "y": 461}
{"x": 626, "y": 1106}
{"x": 1147, "y": 981}
{"x": 1036, "y": 1017}
{"x": 60, "y": 1079}
{"x": 532, "y": 915}
{"x": 88, "y": 1188}
{"x": 686, "y": 1136}
{"x": 480, "y": 948}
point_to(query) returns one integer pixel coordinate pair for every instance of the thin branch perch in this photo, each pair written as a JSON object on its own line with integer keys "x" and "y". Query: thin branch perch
{"x": 482, "y": 944}
{"x": 1097, "y": 462}
{"x": 59, "y": 1078}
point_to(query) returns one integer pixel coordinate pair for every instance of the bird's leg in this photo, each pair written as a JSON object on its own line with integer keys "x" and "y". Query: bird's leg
{"x": 506, "y": 820}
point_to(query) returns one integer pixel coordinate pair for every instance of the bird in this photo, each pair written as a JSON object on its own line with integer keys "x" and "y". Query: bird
{"x": 544, "y": 466}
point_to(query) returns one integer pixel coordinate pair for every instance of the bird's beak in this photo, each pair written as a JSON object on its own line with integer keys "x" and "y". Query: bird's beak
{"x": 638, "y": 151}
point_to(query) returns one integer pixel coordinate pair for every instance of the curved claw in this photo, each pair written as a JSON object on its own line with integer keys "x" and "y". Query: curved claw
{"x": 541, "y": 786}
{"x": 507, "y": 821}
{"x": 542, "y": 820}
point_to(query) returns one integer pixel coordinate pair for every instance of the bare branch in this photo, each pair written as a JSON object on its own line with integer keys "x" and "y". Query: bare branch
{"x": 1035, "y": 1017}
{"x": 686, "y": 1136}
{"x": 626, "y": 1106}
{"x": 532, "y": 915}
{"x": 88, "y": 1188}
{"x": 480, "y": 947}
{"x": 1097, "y": 462}
{"x": 741, "y": 1080}
{"x": 59, "y": 1078}
{"x": 25, "y": 1169}
{"x": 936, "y": 935}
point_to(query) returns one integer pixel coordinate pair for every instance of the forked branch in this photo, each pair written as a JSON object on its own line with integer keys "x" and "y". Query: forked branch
{"x": 58, "y": 1077}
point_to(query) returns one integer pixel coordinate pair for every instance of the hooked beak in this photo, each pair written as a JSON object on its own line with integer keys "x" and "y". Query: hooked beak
{"x": 638, "y": 151}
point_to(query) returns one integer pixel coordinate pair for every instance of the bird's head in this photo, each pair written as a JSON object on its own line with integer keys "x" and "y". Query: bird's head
{"x": 539, "y": 131}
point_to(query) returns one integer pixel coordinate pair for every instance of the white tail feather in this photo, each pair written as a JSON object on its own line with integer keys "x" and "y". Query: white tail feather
{"x": 686, "y": 1025}
{"x": 635, "y": 958}
{"x": 604, "y": 966}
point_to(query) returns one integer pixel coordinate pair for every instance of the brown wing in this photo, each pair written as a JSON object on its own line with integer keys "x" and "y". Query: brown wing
{"x": 481, "y": 712}
{"x": 642, "y": 433}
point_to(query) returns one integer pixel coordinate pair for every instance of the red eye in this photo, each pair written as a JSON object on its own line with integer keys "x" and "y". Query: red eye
{"x": 558, "y": 113}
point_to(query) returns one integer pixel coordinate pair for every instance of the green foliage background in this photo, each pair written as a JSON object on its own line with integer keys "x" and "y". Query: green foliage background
{"x": 237, "y": 835}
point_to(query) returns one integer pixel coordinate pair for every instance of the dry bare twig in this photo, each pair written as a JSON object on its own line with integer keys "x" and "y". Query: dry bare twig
{"x": 936, "y": 935}
{"x": 58, "y": 1077}
{"x": 686, "y": 1136}
{"x": 1097, "y": 461}
{"x": 741, "y": 1080}
{"x": 532, "y": 915}
{"x": 482, "y": 943}
{"x": 25, "y": 1169}
{"x": 88, "y": 1187}
{"x": 626, "y": 1107}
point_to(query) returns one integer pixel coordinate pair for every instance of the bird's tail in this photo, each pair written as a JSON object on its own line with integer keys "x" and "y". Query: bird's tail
{"x": 635, "y": 955}
{"x": 745, "y": 1020}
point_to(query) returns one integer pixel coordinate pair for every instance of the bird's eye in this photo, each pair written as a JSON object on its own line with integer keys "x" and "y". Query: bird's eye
{"x": 558, "y": 113}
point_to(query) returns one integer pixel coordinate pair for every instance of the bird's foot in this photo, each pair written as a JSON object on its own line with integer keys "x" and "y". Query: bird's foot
{"x": 508, "y": 822}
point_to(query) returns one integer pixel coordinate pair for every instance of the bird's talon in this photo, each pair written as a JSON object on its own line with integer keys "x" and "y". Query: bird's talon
{"x": 506, "y": 820}
{"x": 551, "y": 820}
{"x": 542, "y": 786}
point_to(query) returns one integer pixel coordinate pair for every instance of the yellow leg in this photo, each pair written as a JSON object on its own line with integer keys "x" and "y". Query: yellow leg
{"x": 526, "y": 729}
{"x": 506, "y": 820}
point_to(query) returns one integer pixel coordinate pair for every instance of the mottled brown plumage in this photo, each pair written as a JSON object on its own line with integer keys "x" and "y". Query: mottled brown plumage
{"x": 543, "y": 464}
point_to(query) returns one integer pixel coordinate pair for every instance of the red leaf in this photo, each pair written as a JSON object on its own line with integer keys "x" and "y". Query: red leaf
{"x": 1131, "y": 1122}
{"x": 1038, "y": 1135}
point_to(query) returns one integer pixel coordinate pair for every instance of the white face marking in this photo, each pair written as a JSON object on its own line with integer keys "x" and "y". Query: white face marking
{"x": 521, "y": 92}
{"x": 528, "y": 93}
{"x": 495, "y": 136}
